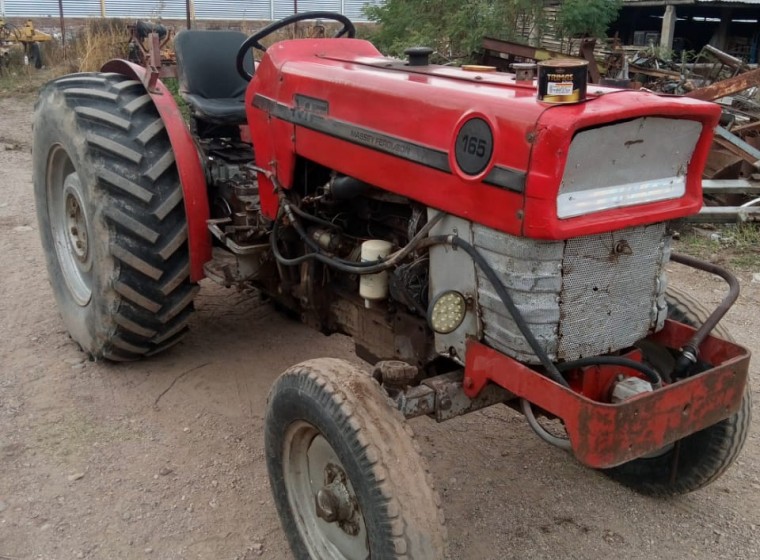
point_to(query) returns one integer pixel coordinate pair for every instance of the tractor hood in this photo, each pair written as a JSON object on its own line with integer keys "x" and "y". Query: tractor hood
{"x": 479, "y": 144}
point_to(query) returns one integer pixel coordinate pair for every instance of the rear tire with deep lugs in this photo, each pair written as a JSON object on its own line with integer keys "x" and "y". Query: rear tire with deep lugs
{"x": 111, "y": 214}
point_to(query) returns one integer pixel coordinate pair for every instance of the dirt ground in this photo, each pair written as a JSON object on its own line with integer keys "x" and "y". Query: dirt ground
{"x": 163, "y": 459}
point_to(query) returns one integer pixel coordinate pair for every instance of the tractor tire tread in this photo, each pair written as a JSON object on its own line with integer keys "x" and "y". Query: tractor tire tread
{"x": 139, "y": 195}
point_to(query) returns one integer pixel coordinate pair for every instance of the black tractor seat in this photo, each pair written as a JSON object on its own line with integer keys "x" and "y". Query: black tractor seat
{"x": 209, "y": 81}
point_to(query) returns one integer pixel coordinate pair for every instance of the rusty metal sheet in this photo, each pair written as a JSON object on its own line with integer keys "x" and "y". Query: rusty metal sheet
{"x": 727, "y": 87}
{"x": 605, "y": 435}
{"x": 737, "y": 146}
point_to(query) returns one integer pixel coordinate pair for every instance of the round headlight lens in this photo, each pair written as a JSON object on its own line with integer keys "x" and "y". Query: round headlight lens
{"x": 447, "y": 312}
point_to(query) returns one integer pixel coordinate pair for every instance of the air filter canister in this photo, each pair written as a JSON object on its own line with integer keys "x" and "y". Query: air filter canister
{"x": 562, "y": 81}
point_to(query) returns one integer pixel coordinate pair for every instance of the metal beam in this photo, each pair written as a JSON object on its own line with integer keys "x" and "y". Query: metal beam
{"x": 727, "y": 87}
{"x": 725, "y": 215}
{"x": 730, "y": 186}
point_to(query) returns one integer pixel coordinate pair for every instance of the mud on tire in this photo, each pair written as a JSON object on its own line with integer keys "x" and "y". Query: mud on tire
{"x": 699, "y": 459}
{"x": 344, "y": 408}
{"x": 111, "y": 216}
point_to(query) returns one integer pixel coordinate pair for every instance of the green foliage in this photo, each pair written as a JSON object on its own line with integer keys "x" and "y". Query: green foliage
{"x": 586, "y": 18}
{"x": 172, "y": 84}
{"x": 454, "y": 28}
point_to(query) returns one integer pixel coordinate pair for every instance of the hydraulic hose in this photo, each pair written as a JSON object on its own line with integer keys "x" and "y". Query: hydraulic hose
{"x": 650, "y": 372}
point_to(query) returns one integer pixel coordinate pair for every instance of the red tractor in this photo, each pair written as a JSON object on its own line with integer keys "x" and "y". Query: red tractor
{"x": 480, "y": 246}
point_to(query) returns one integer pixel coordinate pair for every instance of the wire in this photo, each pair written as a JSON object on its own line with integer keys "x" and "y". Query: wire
{"x": 306, "y": 216}
{"x": 349, "y": 267}
{"x": 543, "y": 433}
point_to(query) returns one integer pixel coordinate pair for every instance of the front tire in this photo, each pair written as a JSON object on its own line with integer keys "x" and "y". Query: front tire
{"x": 111, "y": 218}
{"x": 699, "y": 459}
{"x": 346, "y": 477}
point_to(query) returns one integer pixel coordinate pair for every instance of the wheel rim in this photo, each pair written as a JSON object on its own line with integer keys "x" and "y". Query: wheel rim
{"x": 322, "y": 499}
{"x": 70, "y": 225}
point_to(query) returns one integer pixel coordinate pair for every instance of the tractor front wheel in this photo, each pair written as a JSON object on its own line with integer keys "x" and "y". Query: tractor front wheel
{"x": 111, "y": 216}
{"x": 346, "y": 477}
{"x": 696, "y": 460}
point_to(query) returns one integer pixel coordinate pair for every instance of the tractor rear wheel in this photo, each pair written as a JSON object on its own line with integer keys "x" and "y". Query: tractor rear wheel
{"x": 699, "y": 459}
{"x": 346, "y": 476}
{"x": 111, "y": 217}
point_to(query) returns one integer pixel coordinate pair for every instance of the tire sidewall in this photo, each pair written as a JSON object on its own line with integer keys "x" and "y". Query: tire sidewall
{"x": 92, "y": 323}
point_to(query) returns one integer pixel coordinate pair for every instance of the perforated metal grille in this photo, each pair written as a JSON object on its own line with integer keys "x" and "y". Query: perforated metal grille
{"x": 610, "y": 288}
{"x": 582, "y": 297}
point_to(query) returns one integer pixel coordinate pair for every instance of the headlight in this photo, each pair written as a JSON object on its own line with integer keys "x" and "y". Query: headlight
{"x": 447, "y": 312}
{"x": 594, "y": 200}
{"x": 623, "y": 164}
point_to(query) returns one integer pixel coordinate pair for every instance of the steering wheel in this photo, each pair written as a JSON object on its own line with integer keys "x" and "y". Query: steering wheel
{"x": 254, "y": 40}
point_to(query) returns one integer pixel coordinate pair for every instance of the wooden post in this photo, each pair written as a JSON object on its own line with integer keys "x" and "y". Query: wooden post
{"x": 668, "y": 28}
{"x": 63, "y": 29}
{"x": 189, "y": 9}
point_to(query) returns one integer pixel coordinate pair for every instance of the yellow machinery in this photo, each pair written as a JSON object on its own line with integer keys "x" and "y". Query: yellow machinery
{"x": 25, "y": 36}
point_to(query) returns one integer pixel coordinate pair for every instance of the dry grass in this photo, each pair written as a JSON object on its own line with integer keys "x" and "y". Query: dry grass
{"x": 98, "y": 42}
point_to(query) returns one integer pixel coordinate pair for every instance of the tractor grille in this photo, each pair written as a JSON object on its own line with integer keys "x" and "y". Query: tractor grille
{"x": 581, "y": 297}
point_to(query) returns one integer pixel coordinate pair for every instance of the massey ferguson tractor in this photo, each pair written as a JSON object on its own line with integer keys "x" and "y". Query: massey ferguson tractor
{"x": 482, "y": 247}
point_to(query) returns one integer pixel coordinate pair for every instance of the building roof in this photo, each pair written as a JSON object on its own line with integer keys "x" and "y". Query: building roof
{"x": 175, "y": 9}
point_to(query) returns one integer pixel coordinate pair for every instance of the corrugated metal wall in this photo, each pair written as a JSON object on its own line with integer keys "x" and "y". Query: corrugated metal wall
{"x": 175, "y": 9}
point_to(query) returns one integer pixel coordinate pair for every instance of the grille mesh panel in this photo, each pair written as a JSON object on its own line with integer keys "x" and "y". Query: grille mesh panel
{"x": 608, "y": 300}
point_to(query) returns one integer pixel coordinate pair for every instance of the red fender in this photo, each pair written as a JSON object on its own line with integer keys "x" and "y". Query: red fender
{"x": 191, "y": 173}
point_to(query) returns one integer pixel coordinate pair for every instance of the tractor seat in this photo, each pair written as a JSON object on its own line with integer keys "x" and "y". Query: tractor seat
{"x": 208, "y": 79}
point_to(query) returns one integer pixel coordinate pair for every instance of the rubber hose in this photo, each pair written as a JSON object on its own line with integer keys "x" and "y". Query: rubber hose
{"x": 562, "y": 443}
{"x": 651, "y": 373}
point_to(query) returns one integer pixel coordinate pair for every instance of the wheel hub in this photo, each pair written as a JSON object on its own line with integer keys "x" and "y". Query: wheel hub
{"x": 334, "y": 502}
{"x": 70, "y": 225}
{"x": 329, "y": 518}
{"x": 76, "y": 226}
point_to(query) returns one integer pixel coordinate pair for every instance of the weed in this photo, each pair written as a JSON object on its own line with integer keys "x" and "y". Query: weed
{"x": 100, "y": 41}
{"x": 172, "y": 84}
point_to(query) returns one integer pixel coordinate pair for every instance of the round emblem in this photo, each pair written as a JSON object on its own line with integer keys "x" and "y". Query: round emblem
{"x": 474, "y": 146}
